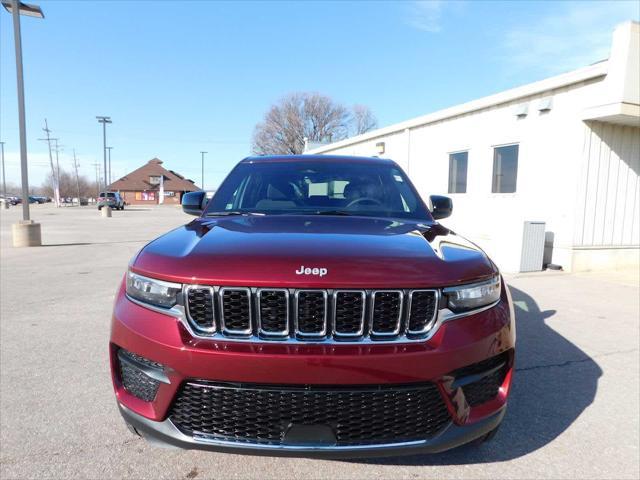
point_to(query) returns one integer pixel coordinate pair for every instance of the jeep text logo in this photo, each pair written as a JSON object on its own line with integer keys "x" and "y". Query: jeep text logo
{"x": 312, "y": 271}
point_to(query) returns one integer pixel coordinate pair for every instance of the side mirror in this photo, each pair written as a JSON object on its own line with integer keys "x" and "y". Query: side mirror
{"x": 193, "y": 203}
{"x": 441, "y": 206}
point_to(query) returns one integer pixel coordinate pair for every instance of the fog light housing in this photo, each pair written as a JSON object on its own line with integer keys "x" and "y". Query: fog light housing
{"x": 140, "y": 377}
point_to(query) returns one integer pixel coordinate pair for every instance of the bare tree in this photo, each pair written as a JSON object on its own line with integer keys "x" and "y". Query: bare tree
{"x": 69, "y": 185}
{"x": 299, "y": 116}
{"x": 363, "y": 119}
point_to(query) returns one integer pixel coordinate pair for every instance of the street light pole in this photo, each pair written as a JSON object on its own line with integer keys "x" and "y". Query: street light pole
{"x": 57, "y": 165}
{"x": 4, "y": 182}
{"x": 104, "y": 120}
{"x": 27, "y": 233}
{"x": 202, "y": 153}
{"x": 109, "y": 170}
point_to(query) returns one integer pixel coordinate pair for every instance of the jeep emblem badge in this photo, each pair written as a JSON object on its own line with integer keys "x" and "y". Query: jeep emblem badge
{"x": 319, "y": 271}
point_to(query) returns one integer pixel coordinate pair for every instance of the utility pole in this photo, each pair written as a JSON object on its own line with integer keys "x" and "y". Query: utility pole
{"x": 4, "y": 182}
{"x": 203, "y": 169}
{"x": 57, "y": 163}
{"x": 56, "y": 188}
{"x": 104, "y": 120}
{"x": 109, "y": 169}
{"x": 75, "y": 167}
{"x": 97, "y": 165}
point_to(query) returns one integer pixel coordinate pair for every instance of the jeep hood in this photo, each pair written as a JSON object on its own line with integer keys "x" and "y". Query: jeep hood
{"x": 356, "y": 252}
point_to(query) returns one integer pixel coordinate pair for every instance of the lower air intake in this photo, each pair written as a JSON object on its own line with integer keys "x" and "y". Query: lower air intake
{"x": 264, "y": 414}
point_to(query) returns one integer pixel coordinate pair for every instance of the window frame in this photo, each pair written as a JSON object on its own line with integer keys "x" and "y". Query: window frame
{"x": 494, "y": 185}
{"x": 466, "y": 180}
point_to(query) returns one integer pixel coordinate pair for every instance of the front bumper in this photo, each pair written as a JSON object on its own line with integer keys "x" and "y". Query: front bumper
{"x": 165, "y": 433}
{"x": 457, "y": 344}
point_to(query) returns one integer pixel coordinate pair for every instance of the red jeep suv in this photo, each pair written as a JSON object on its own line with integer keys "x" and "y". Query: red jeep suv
{"x": 315, "y": 307}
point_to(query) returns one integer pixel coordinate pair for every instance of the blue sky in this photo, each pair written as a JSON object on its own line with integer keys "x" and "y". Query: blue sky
{"x": 181, "y": 77}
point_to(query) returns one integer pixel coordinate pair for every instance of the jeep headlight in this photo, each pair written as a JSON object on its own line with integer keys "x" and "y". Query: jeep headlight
{"x": 152, "y": 291}
{"x": 473, "y": 295}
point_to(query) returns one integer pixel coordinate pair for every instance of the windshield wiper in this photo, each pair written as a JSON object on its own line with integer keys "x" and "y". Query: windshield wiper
{"x": 333, "y": 212}
{"x": 230, "y": 213}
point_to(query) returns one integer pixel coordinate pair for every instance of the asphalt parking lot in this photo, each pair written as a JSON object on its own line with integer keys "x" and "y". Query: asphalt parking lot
{"x": 573, "y": 412}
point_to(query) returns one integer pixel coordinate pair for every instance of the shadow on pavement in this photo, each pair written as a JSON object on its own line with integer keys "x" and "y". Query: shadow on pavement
{"x": 546, "y": 397}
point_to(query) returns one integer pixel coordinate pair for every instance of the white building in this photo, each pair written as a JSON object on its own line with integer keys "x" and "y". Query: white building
{"x": 564, "y": 151}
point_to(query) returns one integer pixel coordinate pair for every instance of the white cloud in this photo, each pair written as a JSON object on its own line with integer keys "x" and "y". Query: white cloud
{"x": 426, "y": 15}
{"x": 576, "y": 35}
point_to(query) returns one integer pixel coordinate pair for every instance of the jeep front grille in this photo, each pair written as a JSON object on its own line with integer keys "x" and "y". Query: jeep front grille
{"x": 310, "y": 315}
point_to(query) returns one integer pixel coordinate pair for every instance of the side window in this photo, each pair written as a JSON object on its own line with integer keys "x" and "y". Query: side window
{"x": 318, "y": 189}
{"x": 458, "y": 172}
{"x": 505, "y": 169}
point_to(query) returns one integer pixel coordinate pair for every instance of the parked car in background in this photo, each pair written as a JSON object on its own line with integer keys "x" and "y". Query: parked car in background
{"x": 14, "y": 200}
{"x": 316, "y": 307}
{"x": 37, "y": 199}
{"x": 111, "y": 199}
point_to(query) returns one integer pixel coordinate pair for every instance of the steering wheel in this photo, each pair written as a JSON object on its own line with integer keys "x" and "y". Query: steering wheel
{"x": 364, "y": 199}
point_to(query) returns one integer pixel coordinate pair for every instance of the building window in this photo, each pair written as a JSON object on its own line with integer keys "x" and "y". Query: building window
{"x": 138, "y": 195}
{"x": 505, "y": 169}
{"x": 148, "y": 195}
{"x": 458, "y": 172}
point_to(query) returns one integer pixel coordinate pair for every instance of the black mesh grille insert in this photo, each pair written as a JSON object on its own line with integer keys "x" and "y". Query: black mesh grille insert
{"x": 423, "y": 308}
{"x": 273, "y": 311}
{"x": 263, "y": 414}
{"x": 236, "y": 310}
{"x": 200, "y": 305}
{"x": 134, "y": 380}
{"x": 311, "y": 312}
{"x": 386, "y": 312}
{"x": 349, "y": 317}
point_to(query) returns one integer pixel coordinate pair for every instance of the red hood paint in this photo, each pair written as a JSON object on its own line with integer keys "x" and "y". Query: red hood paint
{"x": 357, "y": 252}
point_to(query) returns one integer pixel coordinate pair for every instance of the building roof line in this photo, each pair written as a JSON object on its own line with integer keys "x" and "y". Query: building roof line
{"x": 575, "y": 76}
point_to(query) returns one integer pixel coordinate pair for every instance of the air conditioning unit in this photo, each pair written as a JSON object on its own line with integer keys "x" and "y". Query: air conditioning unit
{"x": 521, "y": 110}
{"x": 545, "y": 104}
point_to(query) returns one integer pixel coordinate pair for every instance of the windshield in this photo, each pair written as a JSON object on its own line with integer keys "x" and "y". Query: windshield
{"x": 316, "y": 187}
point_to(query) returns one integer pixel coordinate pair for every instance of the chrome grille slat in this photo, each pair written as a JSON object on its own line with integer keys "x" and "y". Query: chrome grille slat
{"x": 386, "y": 312}
{"x": 235, "y": 311}
{"x": 273, "y": 312}
{"x": 349, "y": 308}
{"x": 422, "y": 308}
{"x": 200, "y": 307}
{"x": 310, "y": 315}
